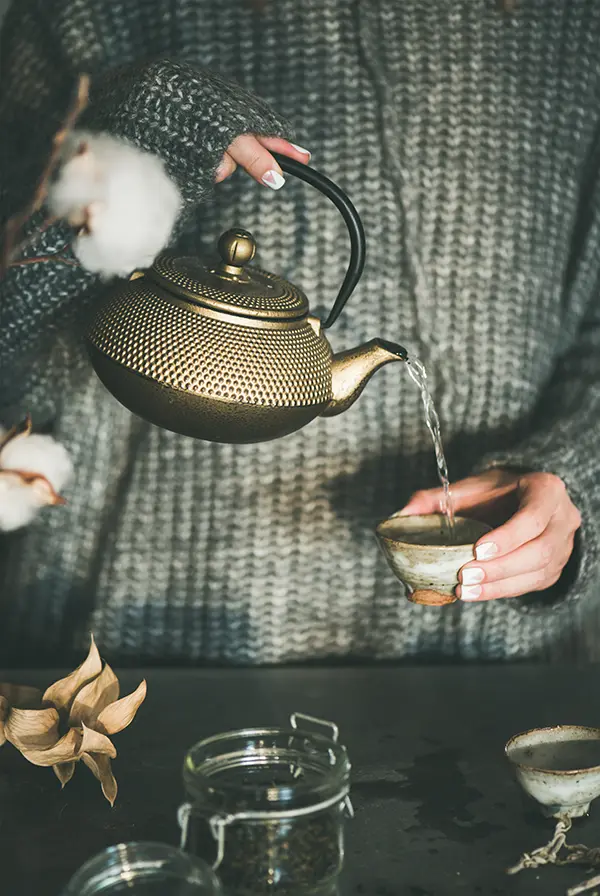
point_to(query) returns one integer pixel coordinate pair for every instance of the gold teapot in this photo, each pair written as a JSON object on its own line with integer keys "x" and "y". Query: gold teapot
{"x": 227, "y": 352}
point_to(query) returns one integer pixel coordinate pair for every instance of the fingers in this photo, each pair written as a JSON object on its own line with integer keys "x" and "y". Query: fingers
{"x": 465, "y": 493}
{"x": 537, "y": 565}
{"x": 225, "y": 169}
{"x": 531, "y": 557}
{"x": 254, "y": 156}
{"x": 530, "y": 551}
{"x": 540, "y": 495}
{"x": 513, "y": 587}
{"x": 424, "y": 502}
{"x": 285, "y": 148}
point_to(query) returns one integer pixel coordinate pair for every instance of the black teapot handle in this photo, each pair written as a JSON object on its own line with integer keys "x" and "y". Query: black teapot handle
{"x": 358, "y": 246}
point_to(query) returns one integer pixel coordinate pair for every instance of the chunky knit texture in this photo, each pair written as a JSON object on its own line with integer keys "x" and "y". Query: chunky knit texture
{"x": 468, "y": 139}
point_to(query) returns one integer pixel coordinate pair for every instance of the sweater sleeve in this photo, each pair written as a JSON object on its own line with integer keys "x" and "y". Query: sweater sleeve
{"x": 184, "y": 114}
{"x": 565, "y": 431}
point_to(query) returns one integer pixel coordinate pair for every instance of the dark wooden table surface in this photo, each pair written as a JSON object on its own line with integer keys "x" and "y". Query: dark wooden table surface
{"x": 437, "y": 810}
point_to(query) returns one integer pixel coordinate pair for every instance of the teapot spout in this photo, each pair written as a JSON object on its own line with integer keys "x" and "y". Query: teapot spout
{"x": 352, "y": 370}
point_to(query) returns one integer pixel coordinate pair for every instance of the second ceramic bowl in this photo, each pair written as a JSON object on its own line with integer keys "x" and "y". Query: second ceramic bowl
{"x": 559, "y": 767}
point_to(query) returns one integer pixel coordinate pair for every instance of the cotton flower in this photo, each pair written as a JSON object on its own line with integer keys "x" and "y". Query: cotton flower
{"x": 33, "y": 471}
{"x": 71, "y": 721}
{"x": 120, "y": 197}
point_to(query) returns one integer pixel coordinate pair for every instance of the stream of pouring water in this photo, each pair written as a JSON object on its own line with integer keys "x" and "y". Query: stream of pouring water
{"x": 409, "y": 203}
{"x": 418, "y": 374}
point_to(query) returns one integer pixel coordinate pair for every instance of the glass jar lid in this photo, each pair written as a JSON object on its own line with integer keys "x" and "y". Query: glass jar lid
{"x": 268, "y": 770}
{"x": 147, "y": 869}
{"x": 231, "y": 286}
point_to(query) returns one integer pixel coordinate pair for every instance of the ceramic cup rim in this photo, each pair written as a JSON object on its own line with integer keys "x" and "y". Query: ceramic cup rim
{"x": 455, "y": 546}
{"x": 552, "y": 771}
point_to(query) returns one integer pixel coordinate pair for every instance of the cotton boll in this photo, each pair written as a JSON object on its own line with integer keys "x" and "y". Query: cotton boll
{"x": 125, "y": 199}
{"x": 19, "y": 504}
{"x": 21, "y": 496}
{"x": 33, "y": 470}
{"x": 80, "y": 182}
{"x": 38, "y": 454}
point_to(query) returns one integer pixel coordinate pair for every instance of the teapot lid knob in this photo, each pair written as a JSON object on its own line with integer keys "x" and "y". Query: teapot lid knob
{"x": 236, "y": 248}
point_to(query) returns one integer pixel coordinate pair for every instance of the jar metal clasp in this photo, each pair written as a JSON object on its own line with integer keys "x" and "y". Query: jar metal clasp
{"x": 313, "y": 720}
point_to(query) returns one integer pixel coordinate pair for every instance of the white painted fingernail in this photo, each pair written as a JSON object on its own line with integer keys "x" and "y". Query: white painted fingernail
{"x": 223, "y": 167}
{"x": 273, "y": 179}
{"x": 472, "y": 576}
{"x": 301, "y": 149}
{"x": 470, "y": 592}
{"x": 486, "y": 551}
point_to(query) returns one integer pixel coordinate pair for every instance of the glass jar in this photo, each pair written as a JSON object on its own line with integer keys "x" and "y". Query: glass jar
{"x": 143, "y": 869}
{"x": 267, "y": 807}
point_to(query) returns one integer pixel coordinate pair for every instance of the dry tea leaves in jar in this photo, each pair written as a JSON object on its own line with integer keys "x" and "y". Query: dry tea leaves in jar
{"x": 267, "y": 807}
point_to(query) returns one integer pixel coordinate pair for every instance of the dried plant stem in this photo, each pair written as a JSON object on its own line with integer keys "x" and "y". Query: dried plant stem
{"x": 17, "y": 431}
{"x": 548, "y": 854}
{"x": 57, "y": 257}
{"x": 12, "y": 241}
{"x": 45, "y": 258}
{"x": 585, "y": 887}
{"x": 79, "y": 104}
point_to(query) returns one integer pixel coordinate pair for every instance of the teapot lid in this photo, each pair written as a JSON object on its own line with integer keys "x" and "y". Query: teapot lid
{"x": 230, "y": 286}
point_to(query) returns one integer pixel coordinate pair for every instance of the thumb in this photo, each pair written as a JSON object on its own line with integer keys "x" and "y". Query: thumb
{"x": 466, "y": 493}
{"x": 423, "y": 502}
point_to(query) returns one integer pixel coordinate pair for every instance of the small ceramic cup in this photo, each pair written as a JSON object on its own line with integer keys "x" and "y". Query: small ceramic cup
{"x": 419, "y": 554}
{"x": 558, "y": 767}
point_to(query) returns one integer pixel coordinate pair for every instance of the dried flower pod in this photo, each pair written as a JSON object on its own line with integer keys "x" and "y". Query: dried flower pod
{"x": 71, "y": 721}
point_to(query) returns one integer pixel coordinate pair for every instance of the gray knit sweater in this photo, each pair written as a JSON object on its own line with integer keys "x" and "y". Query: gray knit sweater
{"x": 468, "y": 140}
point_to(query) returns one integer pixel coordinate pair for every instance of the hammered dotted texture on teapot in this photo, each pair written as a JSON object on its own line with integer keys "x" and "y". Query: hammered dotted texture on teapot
{"x": 264, "y": 292}
{"x": 288, "y": 367}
